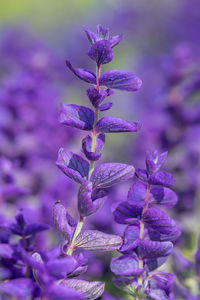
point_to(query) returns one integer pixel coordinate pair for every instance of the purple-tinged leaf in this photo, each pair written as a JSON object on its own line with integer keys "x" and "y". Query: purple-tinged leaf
{"x": 59, "y": 268}
{"x": 165, "y": 281}
{"x": 82, "y": 74}
{"x": 81, "y": 266}
{"x": 73, "y": 165}
{"x": 158, "y": 194}
{"x": 60, "y": 220}
{"x": 60, "y": 292}
{"x": 163, "y": 196}
{"x": 156, "y": 294}
{"x": 141, "y": 174}
{"x": 150, "y": 249}
{"x": 77, "y": 116}
{"x": 6, "y": 251}
{"x": 87, "y": 205}
{"x": 111, "y": 124}
{"x": 114, "y": 40}
{"x": 97, "y": 96}
{"x": 131, "y": 237}
{"x": 20, "y": 220}
{"x": 101, "y": 52}
{"x": 162, "y": 178}
{"x": 105, "y": 106}
{"x": 96, "y": 240}
{"x": 155, "y": 263}
{"x": 121, "y": 80}
{"x": 90, "y": 35}
{"x": 108, "y": 174}
{"x": 157, "y": 236}
{"x": 21, "y": 288}
{"x": 137, "y": 192}
{"x": 159, "y": 220}
{"x": 126, "y": 265}
{"x": 87, "y": 147}
{"x": 127, "y": 213}
{"x": 154, "y": 161}
{"x": 90, "y": 290}
{"x": 34, "y": 228}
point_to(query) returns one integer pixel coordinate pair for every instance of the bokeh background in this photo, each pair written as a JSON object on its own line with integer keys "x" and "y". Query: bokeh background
{"x": 160, "y": 44}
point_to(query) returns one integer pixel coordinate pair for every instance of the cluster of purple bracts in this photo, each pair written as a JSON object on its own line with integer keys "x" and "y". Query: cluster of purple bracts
{"x": 150, "y": 234}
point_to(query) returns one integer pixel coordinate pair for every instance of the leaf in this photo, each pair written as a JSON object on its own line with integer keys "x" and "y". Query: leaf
{"x": 126, "y": 265}
{"x": 111, "y": 124}
{"x": 91, "y": 290}
{"x": 108, "y": 174}
{"x": 96, "y": 240}
{"x": 60, "y": 292}
{"x": 151, "y": 249}
{"x": 121, "y": 80}
{"x": 105, "y": 106}
{"x": 162, "y": 178}
{"x": 34, "y": 228}
{"x": 159, "y": 220}
{"x": 101, "y": 52}
{"x": 131, "y": 237}
{"x": 82, "y": 74}
{"x": 59, "y": 268}
{"x": 77, "y": 116}
{"x": 61, "y": 221}
{"x": 6, "y": 251}
{"x": 72, "y": 165}
{"x": 87, "y": 146}
{"x": 127, "y": 212}
{"x": 87, "y": 205}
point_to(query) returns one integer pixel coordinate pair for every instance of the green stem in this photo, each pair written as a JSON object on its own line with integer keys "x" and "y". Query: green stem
{"x": 76, "y": 233}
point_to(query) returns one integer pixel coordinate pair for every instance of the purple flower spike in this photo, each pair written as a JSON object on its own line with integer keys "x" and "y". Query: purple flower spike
{"x": 90, "y": 290}
{"x": 112, "y": 124}
{"x": 108, "y": 174}
{"x": 96, "y": 240}
{"x": 151, "y": 249}
{"x": 72, "y": 165}
{"x": 86, "y": 204}
{"x": 77, "y": 116}
{"x": 154, "y": 161}
{"x": 101, "y": 52}
{"x": 82, "y": 74}
{"x": 60, "y": 220}
{"x": 120, "y": 80}
{"x": 87, "y": 146}
{"x": 125, "y": 265}
{"x": 22, "y": 288}
{"x": 162, "y": 178}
